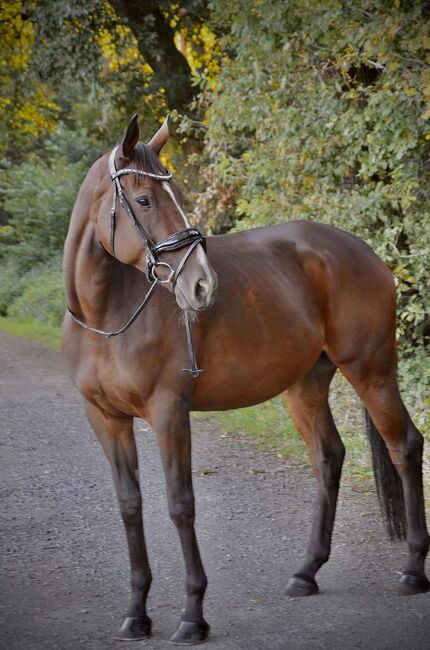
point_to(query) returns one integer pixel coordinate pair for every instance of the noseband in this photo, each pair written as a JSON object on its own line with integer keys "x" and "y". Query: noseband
{"x": 190, "y": 237}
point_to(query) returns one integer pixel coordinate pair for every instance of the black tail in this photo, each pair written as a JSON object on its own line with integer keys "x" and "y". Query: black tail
{"x": 388, "y": 484}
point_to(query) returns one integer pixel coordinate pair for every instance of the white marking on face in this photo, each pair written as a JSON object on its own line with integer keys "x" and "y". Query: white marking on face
{"x": 165, "y": 185}
{"x": 201, "y": 256}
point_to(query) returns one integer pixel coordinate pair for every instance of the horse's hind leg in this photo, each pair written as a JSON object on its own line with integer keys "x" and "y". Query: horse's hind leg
{"x": 310, "y": 411}
{"x": 376, "y": 383}
{"x": 117, "y": 439}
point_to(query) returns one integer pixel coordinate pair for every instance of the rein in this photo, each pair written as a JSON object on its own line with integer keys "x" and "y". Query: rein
{"x": 190, "y": 237}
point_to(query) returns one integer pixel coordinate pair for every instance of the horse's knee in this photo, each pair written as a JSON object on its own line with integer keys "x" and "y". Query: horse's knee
{"x": 182, "y": 511}
{"x": 323, "y": 556}
{"x": 196, "y": 584}
{"x": 131, "y": 510}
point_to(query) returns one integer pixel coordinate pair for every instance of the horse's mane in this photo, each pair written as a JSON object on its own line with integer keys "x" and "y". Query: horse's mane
{"x": 147, "y": 160}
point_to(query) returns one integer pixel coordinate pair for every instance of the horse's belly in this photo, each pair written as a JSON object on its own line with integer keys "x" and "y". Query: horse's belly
{"x": 263, "y": 382}
{"x": 243, "y": 373}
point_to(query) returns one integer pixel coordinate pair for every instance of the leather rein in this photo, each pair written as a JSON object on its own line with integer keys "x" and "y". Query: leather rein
{"x": 189, "y": 237}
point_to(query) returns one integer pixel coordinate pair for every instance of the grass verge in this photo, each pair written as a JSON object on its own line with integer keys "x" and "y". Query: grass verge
{"x": 271, "y": 427}
{"x": 30, "y": 329}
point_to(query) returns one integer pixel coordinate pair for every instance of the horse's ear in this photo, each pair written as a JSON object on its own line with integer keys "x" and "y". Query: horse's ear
{"x": 131, "y": 139}
{"x": 158, "y": 141}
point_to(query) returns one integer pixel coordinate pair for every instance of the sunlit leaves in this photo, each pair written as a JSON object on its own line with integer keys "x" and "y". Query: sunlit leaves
{"x": 26, "y": 105}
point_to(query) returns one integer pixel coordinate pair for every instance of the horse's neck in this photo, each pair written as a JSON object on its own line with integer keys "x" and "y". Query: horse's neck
{"x": 88, "y": 268}
{"x": 88, "y": 271}
{"x": 97, "y": 285}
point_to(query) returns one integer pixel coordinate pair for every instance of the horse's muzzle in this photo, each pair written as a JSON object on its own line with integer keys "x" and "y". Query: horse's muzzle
{"x": 198, "y": 294}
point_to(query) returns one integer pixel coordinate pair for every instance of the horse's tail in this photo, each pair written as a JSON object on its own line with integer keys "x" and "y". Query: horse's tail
{"x": 388, "y": 484}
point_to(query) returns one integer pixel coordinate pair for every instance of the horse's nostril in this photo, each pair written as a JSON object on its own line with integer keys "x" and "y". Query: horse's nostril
{"x": 201, "y": 289}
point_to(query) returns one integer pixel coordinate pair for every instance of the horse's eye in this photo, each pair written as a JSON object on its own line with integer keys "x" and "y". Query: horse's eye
{"x": 143, "y": 201}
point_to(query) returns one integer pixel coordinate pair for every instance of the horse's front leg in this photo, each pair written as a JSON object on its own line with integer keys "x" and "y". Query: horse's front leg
{"x": 169, "y": 415}
{"x": 117, "y": 439}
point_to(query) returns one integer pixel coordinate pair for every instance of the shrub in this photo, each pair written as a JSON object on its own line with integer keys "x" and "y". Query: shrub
{"x": 321, "y": 111}
{"x": 42, "y": 298}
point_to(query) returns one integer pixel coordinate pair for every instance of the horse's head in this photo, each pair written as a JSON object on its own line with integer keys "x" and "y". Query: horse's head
{"x": 142, "y": 222}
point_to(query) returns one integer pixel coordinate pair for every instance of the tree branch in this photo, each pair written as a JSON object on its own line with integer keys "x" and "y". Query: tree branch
{"x": 155, "y": 41}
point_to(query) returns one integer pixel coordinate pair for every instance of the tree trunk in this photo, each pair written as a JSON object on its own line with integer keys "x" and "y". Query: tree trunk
{"x": 155, "y": 41}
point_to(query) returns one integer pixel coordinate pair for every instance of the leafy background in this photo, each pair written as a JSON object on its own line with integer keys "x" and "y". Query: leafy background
{"x": 282, "y": 109}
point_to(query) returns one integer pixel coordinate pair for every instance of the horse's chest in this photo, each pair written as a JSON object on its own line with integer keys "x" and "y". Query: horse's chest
{"x": 116, "y": 380}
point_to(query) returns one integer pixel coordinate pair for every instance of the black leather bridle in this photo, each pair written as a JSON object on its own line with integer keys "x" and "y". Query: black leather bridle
{"x": 190, "y": 237}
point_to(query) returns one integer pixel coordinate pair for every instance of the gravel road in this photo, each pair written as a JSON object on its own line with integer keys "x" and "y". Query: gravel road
{"x": 64, "y": 568}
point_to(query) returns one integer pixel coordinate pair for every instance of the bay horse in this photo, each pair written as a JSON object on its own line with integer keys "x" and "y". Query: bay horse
{"x": 266, "y": 311}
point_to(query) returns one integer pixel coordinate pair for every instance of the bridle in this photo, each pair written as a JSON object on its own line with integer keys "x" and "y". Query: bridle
{"x": 190, "y": 237}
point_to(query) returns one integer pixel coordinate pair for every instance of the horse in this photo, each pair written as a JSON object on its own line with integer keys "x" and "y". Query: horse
{"x": 226, "y": 322}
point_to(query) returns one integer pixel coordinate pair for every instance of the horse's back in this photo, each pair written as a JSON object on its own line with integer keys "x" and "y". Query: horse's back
{"x": 304, "y": 237}
{"x": 335, "y": 266}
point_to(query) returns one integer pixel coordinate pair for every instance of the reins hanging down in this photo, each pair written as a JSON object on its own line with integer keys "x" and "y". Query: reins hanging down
{"x": 190, "y": 237}
{"x": 128, "y": 324}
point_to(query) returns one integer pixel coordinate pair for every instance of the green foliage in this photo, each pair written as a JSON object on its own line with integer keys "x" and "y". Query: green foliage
{"x": 414, "y": 373}
{"x": 72, "y": 29}
{"x": 27, "y": 107}
{"x": 39, "y": 194}
{"x": 42, "y": 298}
{"x": 12, "y": 284}
{"x": 321, "y": 112}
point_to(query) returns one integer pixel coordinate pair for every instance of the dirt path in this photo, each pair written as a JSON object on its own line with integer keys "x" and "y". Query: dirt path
{"x": 64, "y": 565}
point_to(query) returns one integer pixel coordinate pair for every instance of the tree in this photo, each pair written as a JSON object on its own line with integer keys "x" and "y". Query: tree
{"x": 76, "y": 29}
{"x": 322, "y": 112}
{"x": 27, "y": 106}
{"x": 151, "y": 25}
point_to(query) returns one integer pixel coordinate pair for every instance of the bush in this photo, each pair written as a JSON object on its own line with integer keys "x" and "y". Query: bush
{"x": 38, "y": 197}
{"x": 322, "y": 112}
{"x": 42, "y": 298}
{"x": 414, "y": 373}
{"x": 12, "y": 284}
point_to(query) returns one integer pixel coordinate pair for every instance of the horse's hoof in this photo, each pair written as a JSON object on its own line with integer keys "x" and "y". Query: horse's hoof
{"x": 299, "y": 587}
{"x": 411, "y": 585}
{"x": 134, "y": 628}
{"x": 189, "y": 633}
